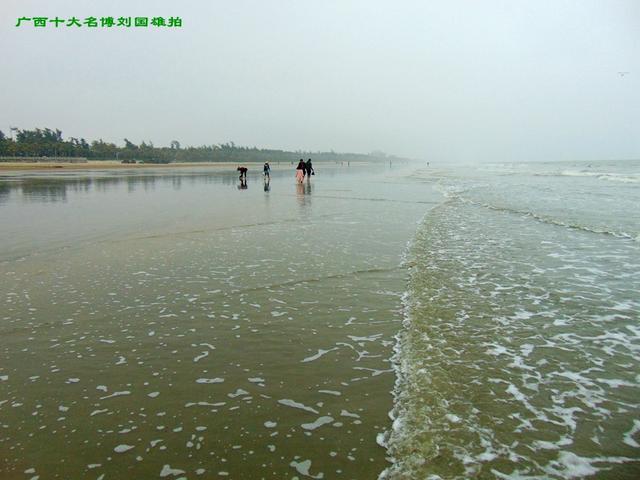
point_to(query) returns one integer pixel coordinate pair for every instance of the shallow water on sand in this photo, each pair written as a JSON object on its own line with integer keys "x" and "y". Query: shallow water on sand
{"x": 170, "y": 324}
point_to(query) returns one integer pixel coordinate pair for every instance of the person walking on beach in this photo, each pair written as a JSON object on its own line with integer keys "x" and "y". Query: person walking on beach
{"x": 309, "y": 169}
{"x": 267, "y": 170}
{"x": 243, "y": 173}
{"x": 300, "y": 170}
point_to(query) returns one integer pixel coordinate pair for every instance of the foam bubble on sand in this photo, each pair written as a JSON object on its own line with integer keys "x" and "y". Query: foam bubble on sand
{"x": 318, "y": 355}
{"x": 374, "y": 372}
{"x": 303, "y": 469}
{"x": 97, "y": 412}
{"x": 291, "y": 403}
{"x": 102, "y": 388}
{"x": 210, "y": 380}
{"x": 201, "y": 356}
{"x": 628, "y": 436}
{"x": 62, "y": 408}
{"x": 331, "y": 392}
{"x": 345, "y": 413}
{"x": 570, "y": 465}
{"x": 453, "y": 418}
{"x": 73, "y": 380}
{"x": 153, "y": 394}
{"x": 204, "y": 404}
{"x": 121, "y": 361}
{"x": 256, "y": 380}
{"x": 167, "y": 470}
{"x": 270, "y": 424}
{"x": 116, "y": 394}
{"x": 371, "y": 338}
{"x": 4, "y": 378}
{"x": 317, "y": 424}
{"x": 123, "y": 448}
{"x": 237, "y": 393}
{"x": 200, "y": 471}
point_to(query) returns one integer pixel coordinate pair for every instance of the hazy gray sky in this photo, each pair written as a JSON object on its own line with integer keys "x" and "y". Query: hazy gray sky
{"x": 454, "y": 80}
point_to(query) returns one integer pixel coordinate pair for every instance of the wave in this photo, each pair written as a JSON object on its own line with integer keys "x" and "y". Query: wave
{"x": 609, "y": 176}
{"x": 607, "y": 172}
{"x": 499, "y": 361}
{"x": 456, "y": 194}
{"x": 606, "y": 176}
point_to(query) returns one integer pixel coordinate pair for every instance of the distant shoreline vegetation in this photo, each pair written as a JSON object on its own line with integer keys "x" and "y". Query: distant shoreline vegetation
{"x": 48, "y": 143}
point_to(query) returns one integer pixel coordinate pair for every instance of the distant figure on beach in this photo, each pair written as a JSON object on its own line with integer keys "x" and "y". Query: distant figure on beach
{"x": 300, "y": 170}
{"x": 243, "y": 173}
{"x": 309, "y": 169}
{"x": 267, "y": 170}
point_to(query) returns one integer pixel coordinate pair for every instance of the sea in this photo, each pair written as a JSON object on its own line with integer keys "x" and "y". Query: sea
{"x": 391, "y": 321}
{"x": 520, "y": 347}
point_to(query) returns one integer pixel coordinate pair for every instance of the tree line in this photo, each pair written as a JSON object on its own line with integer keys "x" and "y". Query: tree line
{"x": 50, "y": 143}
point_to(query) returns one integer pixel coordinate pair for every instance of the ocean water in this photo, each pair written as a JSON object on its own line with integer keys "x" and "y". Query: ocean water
{"x": 392, "y": 322}
{"x": 519, "y": 355}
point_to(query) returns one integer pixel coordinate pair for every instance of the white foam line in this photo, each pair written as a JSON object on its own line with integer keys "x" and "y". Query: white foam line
{"x": 331, "y": 392}
{"x": 291, "y": 403}
{"x": 116, "y": 394}
{"x": 318, "y": 423}
{"x": 318, "y": 355}
{"x": 210, "y": 380}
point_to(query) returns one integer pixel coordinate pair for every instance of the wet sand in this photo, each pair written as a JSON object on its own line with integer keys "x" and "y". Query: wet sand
{"x": 175, "y": 323}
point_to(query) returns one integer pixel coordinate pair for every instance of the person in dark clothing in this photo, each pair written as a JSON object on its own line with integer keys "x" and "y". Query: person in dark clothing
{"x": 266, "y": 170}
{"x": 309, "y": 169}
{"x": 243, "y": 172}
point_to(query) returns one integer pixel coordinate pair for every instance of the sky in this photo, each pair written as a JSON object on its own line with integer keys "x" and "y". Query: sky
{"x": 442, "y": 81}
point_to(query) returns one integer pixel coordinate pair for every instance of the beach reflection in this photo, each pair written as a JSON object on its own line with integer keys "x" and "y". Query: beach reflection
{"x": 56, "y": 188}
{"x": 303, "y": 194}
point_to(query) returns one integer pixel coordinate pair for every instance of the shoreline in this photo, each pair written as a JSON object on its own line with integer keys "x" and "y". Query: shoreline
{"x": 112, "y": 165}
{"x": 109, "y": 164}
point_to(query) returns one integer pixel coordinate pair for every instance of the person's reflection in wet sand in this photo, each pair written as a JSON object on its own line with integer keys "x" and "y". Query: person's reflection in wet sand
{"x": 243, "y": 184}
{"x": 303, "y": 194}
{"x": 267, "y": 184}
